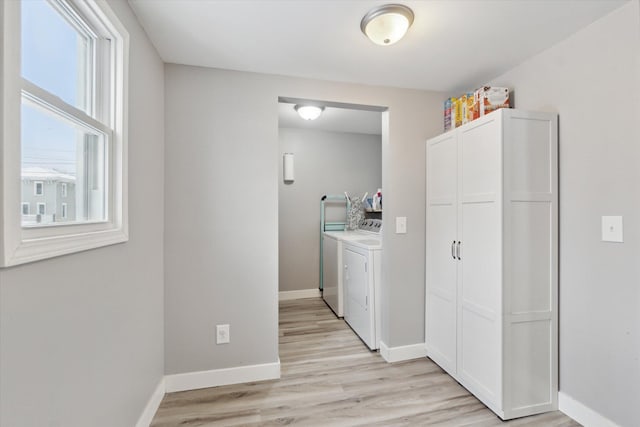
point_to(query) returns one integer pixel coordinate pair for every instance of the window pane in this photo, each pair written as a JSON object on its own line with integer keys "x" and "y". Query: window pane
{"x": 58, "y": 153}
{"x": 55, "y": 56}
{"x": 38, "y": 188}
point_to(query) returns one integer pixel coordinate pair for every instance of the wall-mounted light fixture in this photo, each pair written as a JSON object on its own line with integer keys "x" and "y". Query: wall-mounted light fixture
{"x": 385, "y": 25}
{"x": 287, "y": 167}
{"x": 309, "y": 112}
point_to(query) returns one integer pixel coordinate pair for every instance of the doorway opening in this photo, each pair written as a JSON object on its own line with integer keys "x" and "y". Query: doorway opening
{"x": 322, "y": 162}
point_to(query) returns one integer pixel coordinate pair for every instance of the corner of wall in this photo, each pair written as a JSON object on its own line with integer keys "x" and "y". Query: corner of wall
{"x": 402, "y": 353}
{"x": 581, "y": 413}
{"x": 152, "y": 405}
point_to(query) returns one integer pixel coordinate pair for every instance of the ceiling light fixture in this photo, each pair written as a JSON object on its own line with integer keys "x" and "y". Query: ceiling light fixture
{"x": 309, "y": 112}
{"x": 385, "y": 25}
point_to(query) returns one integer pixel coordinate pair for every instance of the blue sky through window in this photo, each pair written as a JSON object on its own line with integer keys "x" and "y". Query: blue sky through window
{"x": 50, "y": 51}
{"x": 51, "y": 55}
{"x": 47, "y": 142}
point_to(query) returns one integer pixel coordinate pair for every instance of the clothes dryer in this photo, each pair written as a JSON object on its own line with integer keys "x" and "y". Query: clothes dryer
{"x": 362, "y": 287}
{"x": 332, "y": 265}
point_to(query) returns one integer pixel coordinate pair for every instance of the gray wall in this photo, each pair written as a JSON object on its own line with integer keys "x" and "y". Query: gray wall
{"x": 325, "y": 163}
{"x": 221, "y": 264}
{"x": 592, "y": 80}
{"x": 81, "y": 336}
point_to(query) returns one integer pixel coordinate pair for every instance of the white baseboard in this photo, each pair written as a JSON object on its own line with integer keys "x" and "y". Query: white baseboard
{"x": 581, "y": 413}
{"x": 299, "y": 294}
{"x": 405, "y": 352}
{"x": 152, "y": 406}
{"x": 217, "y": 377}
{"x": 204, "y": 379}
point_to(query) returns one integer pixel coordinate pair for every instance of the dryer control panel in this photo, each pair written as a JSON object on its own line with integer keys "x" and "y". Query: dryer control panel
{"x": 371, "y": 225}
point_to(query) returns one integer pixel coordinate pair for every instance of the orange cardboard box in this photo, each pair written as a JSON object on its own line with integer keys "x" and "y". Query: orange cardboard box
{"x": 469, "y": 110}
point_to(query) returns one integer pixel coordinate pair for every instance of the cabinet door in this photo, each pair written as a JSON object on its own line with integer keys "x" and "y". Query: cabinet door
{"x": 441, "y": 292}
{"x": 480, "y": 280}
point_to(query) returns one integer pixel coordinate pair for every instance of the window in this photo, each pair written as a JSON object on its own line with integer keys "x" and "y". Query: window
{"x": 38, "y": 188}
{"x": 25, "y": 208}
{"x": 65, "y": 113}
{"x": 65, "y": 120}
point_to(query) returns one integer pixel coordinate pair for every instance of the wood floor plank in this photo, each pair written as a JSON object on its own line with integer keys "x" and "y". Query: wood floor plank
{"x": 330, "y": 378}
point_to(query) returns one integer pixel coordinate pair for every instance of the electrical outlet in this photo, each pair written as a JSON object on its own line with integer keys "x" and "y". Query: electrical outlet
{"x": 401, "y": 225}
{"x": 222, "y": 334}
{"x": 612, "y": 229}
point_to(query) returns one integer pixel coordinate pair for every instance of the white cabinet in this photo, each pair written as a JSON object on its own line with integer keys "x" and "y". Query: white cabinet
{"x": 491, "y": 268}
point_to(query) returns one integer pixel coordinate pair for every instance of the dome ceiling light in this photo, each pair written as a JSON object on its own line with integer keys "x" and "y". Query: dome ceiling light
{"x": 385, "y": 25}
{"x": 309, "y": 112}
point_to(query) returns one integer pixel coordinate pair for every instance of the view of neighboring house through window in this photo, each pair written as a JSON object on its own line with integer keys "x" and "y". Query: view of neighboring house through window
{"x": 64, "y": 110}
{"x": 25, "y": 208}
{"x": 42, "y": 208}
{"x": 64, "y": 211}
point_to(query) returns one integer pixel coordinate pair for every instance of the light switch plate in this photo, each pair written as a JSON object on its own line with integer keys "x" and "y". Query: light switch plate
{"x": 612, "y": 229}
{"x": 401, "y": 225}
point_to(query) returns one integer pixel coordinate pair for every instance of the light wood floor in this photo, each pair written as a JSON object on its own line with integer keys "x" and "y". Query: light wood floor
{"x": 330, "y": 378}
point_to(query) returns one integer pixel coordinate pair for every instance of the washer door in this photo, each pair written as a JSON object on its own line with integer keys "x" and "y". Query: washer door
{"x": 356, "y": 281}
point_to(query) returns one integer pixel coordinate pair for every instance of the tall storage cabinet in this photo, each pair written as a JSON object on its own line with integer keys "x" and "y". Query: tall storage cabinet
{"x": 491, "y": 269}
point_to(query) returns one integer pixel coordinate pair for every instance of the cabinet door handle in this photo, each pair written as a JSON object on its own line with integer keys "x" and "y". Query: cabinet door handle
{"x": 458, "y": 250}
{"x": 453, "y": 249}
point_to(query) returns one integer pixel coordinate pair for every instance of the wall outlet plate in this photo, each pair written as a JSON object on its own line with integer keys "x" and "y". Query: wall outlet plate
{"x": 612, "y": 229}
{"x": 222, "y": 334}
{"x": 401, "y": 225}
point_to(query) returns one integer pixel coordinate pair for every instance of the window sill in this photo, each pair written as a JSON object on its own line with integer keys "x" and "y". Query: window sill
{"x": 30, "y": 250}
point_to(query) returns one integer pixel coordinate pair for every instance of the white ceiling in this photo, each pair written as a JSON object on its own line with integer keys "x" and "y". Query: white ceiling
{"x": 453, "y": 45}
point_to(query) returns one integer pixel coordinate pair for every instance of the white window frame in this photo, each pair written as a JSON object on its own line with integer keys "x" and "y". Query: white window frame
{"x": 63, "y": 190}
{"x": 35, "y": 188}
{"x": 28, "y": 205}
{"x": 20, "y": 244}
{"x": 44, "y": 208}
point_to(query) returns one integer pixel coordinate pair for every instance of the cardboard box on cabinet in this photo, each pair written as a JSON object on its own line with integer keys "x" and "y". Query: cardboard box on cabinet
{"x": 472, "y": 111}
{"x": 447, "y": 114}
{"x": 456, "y": 113}
{"x": 472, "y": 105}
{"x": 492, "y": 98}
